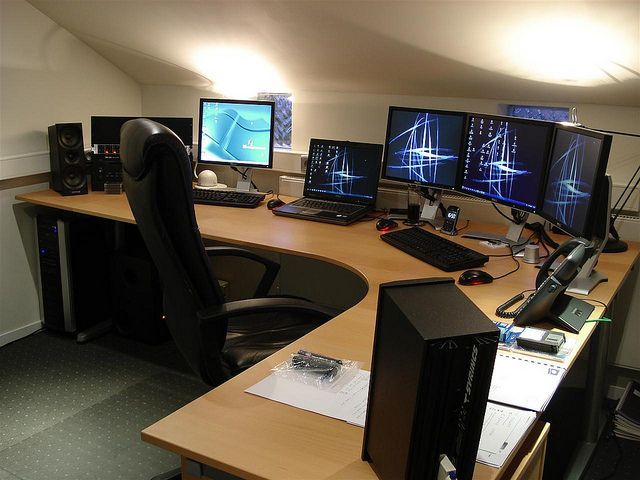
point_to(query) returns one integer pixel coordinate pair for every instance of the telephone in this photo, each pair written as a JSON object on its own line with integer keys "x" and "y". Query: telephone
{"x": 549, "y": 302}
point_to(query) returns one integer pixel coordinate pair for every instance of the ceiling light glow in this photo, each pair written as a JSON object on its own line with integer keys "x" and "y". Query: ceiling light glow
{"x": 238, "y": 72}
{"x": 569, "y": 51}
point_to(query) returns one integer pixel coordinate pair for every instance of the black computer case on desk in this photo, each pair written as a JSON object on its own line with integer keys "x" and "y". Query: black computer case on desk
{"x": 433, "y": 357}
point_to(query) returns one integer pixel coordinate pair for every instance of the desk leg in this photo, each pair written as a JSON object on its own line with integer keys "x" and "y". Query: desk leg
{"x": 594, "y": 393}
{"x": 192, "y": 470}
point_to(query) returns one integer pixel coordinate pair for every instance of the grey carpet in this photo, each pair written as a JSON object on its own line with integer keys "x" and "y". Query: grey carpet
{"x": 74, "y": 411}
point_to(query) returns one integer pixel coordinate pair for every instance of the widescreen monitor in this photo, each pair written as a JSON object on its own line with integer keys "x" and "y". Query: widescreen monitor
{"x": 505, "y": 160}
{"x": 236, "y": 133}
{"x": 423, "y": 146}
{"x": 577, "y": 169}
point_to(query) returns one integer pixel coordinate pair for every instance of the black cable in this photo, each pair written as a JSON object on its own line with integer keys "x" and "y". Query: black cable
{"x": 518, "y": 216}
{"x": 460, "y": 229}
{"x": 606, "y": 307}
{"x": 500, "y": 212}
{"x": 244, "y": 175}
{"x": 512, "y": 271}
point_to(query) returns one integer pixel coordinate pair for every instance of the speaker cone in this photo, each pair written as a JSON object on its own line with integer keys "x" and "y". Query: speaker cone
{"x": 73, "y": 177}
{"x": 72, "y": 156}
{"x": 70, "y": 137}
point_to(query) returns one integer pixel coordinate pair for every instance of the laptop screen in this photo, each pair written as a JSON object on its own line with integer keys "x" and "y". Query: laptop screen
{"x": 343, "y": 171}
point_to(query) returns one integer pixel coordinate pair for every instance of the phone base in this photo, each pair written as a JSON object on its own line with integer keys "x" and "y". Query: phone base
{"x": 570, "y": 313}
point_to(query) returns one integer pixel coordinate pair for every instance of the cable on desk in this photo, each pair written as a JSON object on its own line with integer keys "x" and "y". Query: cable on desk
{"x": 597, "y": 301}
{"x": 512, "y": 271}
{"x": 458, "y": 230}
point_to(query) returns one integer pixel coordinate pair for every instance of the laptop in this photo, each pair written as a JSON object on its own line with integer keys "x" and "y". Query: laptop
{"x": 341, "y": 182}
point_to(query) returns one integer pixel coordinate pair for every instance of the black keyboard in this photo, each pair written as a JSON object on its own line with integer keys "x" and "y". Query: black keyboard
{"x": 329, "y": 206}
{"x": 435, "y": 250}
{"x": 226, "y": 198}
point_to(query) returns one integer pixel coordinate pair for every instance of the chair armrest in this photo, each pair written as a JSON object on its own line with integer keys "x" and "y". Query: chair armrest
{"x": 264, "y": 305}
{"x": 271, "y": 268}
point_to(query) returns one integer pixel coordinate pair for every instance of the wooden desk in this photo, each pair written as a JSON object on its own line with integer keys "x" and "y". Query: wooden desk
{"x": 251, "y": 437}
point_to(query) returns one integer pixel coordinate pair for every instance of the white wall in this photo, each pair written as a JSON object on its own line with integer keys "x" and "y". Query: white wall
{"x": 47, "y": 76}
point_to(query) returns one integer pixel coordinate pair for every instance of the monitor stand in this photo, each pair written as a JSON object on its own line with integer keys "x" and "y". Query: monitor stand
{"x": 430, "y": 210}
{"x": 512, "y": 237}
{"x": 589, "y": 278}
{"x": 244, "y": 180}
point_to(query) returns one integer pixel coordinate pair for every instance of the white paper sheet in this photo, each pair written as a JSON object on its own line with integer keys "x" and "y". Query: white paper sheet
{"x": 524, "y": 382}
{"x": 502, "y": 430}
{"x": 345, "y": 401}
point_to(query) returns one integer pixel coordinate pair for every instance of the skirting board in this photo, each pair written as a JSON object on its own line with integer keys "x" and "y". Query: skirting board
{"x": 18, "y": 333}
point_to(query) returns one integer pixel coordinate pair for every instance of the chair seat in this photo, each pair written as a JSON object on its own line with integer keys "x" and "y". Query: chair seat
{"x": 253, "y": 338}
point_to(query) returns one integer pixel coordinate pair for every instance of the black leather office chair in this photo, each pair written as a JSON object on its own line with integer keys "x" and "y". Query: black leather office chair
{"x": 217, "y": 338}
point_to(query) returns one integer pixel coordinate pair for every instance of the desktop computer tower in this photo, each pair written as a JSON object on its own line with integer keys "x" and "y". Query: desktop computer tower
{"x": 73, "y": 270}
{"x": 137, "y": 299}
{"x": 431, "y": 369}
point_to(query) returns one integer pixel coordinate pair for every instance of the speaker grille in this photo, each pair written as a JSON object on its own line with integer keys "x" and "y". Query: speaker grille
{"x": 70, "y": 136}
{"x": 68, "y": 169}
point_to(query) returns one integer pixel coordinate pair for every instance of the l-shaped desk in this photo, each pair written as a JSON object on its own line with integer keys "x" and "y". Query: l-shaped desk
{"x": 251, "y": 437}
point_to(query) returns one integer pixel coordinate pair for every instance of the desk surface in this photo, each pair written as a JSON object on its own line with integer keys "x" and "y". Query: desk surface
{"x": 256, "y": 438}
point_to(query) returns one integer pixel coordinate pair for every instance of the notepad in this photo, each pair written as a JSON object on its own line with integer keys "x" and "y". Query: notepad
{"x": 502, "y": 430}
{"x": 345, "y": 401}
{"x": 524, "y": 382}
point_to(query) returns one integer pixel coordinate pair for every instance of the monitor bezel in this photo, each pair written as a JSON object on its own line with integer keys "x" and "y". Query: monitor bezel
{"x": 601, "y": 170}
{"x": 463, "y": 133}
{"x": 545, "y": 159}
{"x": 338, "y": 197}
{"x": 236, "y": 102}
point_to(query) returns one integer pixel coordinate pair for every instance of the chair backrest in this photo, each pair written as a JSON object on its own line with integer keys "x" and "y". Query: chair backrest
{"x": 157, "y": 181}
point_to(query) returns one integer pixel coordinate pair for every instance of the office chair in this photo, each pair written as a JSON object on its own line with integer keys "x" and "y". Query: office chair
{"x": 218, "y": 339}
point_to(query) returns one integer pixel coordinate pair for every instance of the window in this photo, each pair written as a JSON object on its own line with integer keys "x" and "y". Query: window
{"x": 282, "y": 127}
{"x": 550, "y": 114}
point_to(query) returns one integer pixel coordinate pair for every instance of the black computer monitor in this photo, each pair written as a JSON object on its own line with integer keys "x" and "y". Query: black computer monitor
{"x": 236, "y": 133}
{"x": 105, "y": 145}
{"x": 505, "y": 160}
{"x": 575, "y": 180}
{"x": 424, "y": 146}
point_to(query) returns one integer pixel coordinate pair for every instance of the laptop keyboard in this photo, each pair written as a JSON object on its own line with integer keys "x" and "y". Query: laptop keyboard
{"x": 337, "y": 207}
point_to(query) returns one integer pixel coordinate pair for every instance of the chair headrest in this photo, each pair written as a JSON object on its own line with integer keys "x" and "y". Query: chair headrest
{"x": 136, "y": 137}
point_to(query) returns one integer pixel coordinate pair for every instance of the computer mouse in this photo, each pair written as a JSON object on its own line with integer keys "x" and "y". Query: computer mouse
{"x": 274, "y": 203}
{"x": 386, "y": 224}
{"x": 475, "y": 277}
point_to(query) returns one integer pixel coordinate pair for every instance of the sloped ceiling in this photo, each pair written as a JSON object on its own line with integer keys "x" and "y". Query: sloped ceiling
{"x": 549, "y": 51}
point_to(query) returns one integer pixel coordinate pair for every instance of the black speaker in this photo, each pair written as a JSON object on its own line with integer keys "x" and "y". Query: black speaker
{"x": 137, "y": 299}
{"x": 68, "y": 163}
{"x": 433, "y": 356}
